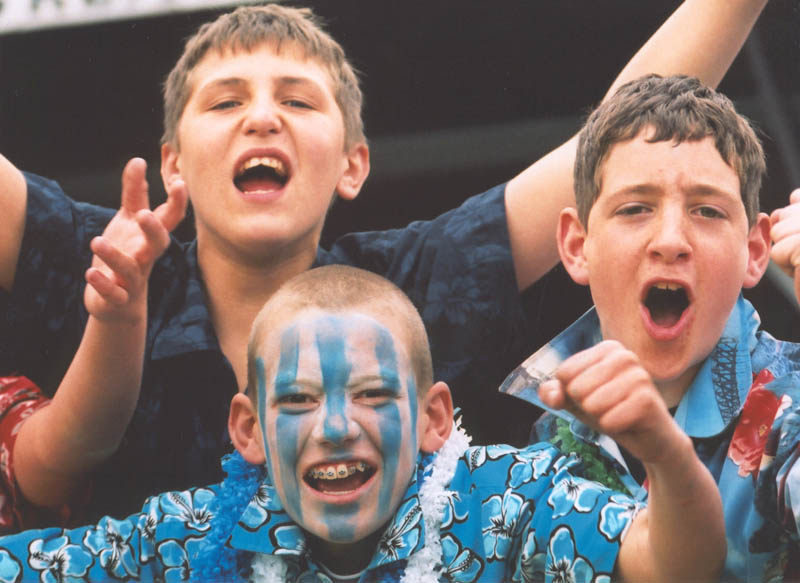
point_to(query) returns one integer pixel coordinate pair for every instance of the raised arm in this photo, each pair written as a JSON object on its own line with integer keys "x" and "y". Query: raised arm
{"x": 701, "y": 38}
{"x": 680, "y": 536}
{"x": 92, "y": 407}
{"x": 785, "y": 234}
{"x": 13, "y": 197}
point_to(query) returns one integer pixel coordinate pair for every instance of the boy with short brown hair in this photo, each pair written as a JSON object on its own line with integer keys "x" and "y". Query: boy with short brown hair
{"x": 667, "y": 233}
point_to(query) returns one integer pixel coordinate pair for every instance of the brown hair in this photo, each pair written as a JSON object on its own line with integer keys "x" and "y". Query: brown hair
{"x": 340, "y": 288}
{"x": 249, "y": 26}
{"x": 677, "y": 108}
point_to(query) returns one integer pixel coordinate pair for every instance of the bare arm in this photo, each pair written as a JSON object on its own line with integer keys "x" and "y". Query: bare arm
{"x": 85, "y": 422}
{"x": 701, "y": 38}
{"x": 13, "y": 198}
{"x": 680, "y": 536}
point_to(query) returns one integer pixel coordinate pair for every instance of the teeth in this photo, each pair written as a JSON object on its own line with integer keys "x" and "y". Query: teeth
{"x": 334, "y": 472}
{"x": 668, "y": 286}
{"x": 273, "y": 163}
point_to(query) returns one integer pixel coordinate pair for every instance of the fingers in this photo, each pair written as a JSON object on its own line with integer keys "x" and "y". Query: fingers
{"x": 171, "y": 212}
{"x": 134, "y": 186}
{"x": 123, "y": 270}
{"x": 109, "y": 290}
{"x": 785, "y": 233}
{"x": 156, "y": 239}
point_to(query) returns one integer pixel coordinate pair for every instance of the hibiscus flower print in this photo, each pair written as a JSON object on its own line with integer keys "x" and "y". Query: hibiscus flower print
{"x": 751, "y": 433}
{"x": 57, "y": 560}
{"x": 564, "y": 564}
{"x": 10, "y": 567}
{"x": 460, "y": 564}
{"x": 110, "y": 541}
{"x": 570, "y": 494}
{"x": 616, "y": 516}
{"x": 403, "y": 533}
{"x": 503, "y": 517}
{"x": 191, "y": 508}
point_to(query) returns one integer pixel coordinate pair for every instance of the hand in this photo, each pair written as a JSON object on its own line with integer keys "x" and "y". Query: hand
{"x": 131, "y": 243}
{"x": 607, "y": 388}
{"x": 785, "y": 235}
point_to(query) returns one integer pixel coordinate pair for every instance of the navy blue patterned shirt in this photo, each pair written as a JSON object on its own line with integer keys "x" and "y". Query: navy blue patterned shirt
{"x": 457, "y": 269}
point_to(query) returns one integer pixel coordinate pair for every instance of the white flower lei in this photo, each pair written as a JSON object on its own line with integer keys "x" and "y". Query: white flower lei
{"x": 426, "y": 565}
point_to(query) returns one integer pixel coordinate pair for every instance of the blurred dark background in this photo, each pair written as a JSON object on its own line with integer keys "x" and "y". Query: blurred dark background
{"x": 460, "y": 95}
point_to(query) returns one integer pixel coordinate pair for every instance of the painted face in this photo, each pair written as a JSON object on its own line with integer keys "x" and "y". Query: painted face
{"x": 339, "y": 416}
{"x": 667, "y": 253}
{"x": 261, "y": 149}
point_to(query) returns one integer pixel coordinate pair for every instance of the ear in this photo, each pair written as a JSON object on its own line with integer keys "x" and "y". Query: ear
{"x": 758, "y": 248}
{"x": 170, "y": 165}
{"x": 438, "y": 411}
{"x": 571, "y": 237}
{"x": 244, "y": 429}
{"x": 355, "y": 173}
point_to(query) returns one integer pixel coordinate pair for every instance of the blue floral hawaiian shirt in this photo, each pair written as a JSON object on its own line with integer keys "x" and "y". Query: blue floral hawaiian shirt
{"x": 742, "y": 412}
{"x": 457, "y": 269}
{"x": 511, "y": 515}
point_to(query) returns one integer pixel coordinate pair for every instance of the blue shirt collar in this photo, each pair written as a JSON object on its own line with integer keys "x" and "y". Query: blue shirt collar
{"x": 712, "y": 401}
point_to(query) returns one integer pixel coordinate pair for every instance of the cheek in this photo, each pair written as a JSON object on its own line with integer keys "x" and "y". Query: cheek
{"x": 284, "y": 442}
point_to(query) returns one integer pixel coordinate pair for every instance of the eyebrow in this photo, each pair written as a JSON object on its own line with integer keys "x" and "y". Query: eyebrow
{"x": 645, "y": 188}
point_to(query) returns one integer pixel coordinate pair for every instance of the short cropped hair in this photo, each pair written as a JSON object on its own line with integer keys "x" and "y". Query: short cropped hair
{"x": 250, "y": 26}
{"x": 341, "y": 288}
{"x": 677, "y": 108}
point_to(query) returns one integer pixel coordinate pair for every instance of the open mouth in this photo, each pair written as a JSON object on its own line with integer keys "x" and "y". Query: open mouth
{"x": 341, "y": 478}
{"x": 261, "y": 174}
{"x": 666, "y": 303}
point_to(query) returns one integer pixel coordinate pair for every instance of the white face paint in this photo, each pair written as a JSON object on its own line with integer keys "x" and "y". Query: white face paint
{"x": 339, "y": 412}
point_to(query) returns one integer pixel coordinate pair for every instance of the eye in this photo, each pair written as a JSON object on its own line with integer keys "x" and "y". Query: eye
{"x": 709, "y": 212}
{"x": 632, "y": 209}
{"x": 296, "y": 401}
{"x": 376, "y": 396}
{"x": 225, "y": 104}
{"x": 297, "y": 104}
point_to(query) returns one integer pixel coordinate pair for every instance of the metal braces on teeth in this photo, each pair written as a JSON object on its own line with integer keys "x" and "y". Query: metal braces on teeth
{"x": 337, "y": 472}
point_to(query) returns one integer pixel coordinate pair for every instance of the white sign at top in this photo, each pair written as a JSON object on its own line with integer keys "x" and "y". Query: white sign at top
{"x": 22, "y": 15}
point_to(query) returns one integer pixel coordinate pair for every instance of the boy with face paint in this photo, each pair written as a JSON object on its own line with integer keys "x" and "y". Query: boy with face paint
{"x": 667, "y": 233}
{"x": 349, "y": 467}
{"x": 262, "y": 123}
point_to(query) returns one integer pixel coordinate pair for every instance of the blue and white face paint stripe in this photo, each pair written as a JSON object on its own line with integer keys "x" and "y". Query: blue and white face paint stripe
{"x": 342, "y": 401}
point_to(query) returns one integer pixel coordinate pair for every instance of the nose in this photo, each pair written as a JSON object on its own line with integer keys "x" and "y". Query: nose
{"x": 262, "y": 117}
{"x": 670, "y": 238}
{"x": 336, "y": 425}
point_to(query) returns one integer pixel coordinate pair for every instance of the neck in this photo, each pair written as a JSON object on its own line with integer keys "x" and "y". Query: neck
{"x": 237, "y": 289}
{"x": 344, "y": 558}
{"x": 673, "y": 390}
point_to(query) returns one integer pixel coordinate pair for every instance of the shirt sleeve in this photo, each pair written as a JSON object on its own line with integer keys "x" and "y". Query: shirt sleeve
{"x": 153, "y": 545}
{"x": 19, "y": 399}
{"x": 42, "y": 317}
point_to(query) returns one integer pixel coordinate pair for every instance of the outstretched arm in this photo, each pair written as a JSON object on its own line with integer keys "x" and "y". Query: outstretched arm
{"x": 680, "y": 536}
{"x": 701, "y": 38}
{"x": 13, "y": 198}
{"x": 91, "y": 409}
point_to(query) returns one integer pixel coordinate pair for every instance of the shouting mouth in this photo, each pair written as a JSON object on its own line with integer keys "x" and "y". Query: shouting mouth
{"x": 339, "y": 478}
{"x": 666, "y": 304}
{"x": 261, "y": 174}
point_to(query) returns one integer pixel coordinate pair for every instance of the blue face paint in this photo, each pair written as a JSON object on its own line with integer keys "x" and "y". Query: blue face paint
{"x": 391, "y": 425}
{"x": 287, "y": 423}
{"x": 351, "y": 387}
{"x": 336, "y": 369}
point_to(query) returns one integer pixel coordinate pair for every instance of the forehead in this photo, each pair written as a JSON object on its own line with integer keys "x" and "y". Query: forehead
{"x": 690, "y": 166}
{"x": 315, "y": 340}
{"x": 264, "y": 61}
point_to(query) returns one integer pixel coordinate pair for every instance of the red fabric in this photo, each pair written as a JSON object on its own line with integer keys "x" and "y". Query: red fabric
{"x": 19, "y": 399}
